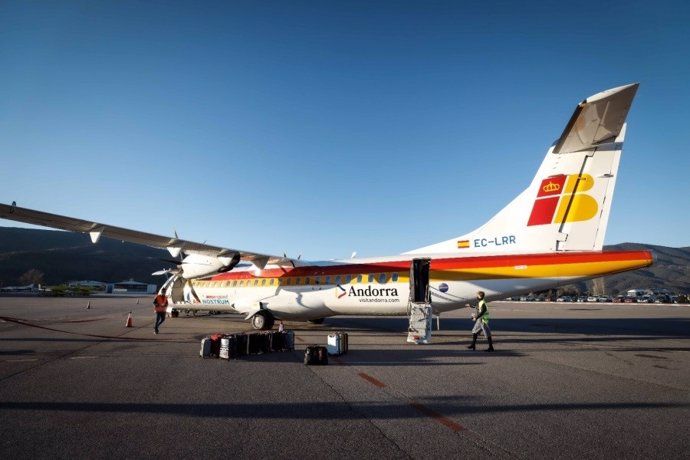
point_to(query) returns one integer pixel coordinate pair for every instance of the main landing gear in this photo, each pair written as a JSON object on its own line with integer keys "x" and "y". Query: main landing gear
{"x": 263, "y": 321}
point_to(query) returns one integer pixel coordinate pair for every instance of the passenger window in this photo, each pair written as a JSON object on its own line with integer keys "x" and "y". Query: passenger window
{"x": 256, "y": 282}
{"x": 359, "y": 278}
{"x": 371, "y": 277}
{"x": 272, "y": 282}
{"x": 382, "y": 278}
{"x": 306, "y": 281}
{"x": 298, "y": 281}
{"x": 394, "y": 278}
{"x": 263, "y": 282}
{"x": 337, "y": 279}
{"x": 348, "y": 278}
{"x": 328, "y": 280}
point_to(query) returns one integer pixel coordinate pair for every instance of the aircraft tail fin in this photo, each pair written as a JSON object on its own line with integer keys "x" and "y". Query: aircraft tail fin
{"x": 567, "y": 205}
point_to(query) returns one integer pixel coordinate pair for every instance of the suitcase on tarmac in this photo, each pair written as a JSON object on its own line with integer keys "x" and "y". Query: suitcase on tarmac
{"x": 334, "y": 345}
{"x": 224, "y": 348}
{"x": 232, "y": 346}
{"x": 316, "y": 355}
{"x": 215, "y": 344}
{"x": 265, "y": 344}
{"x": 205, "y": 351}
{"x": 241, "y": 344}
{"x": 228, "y": 348}
{"x": 288, "y": 340}
{"x": 253, "y": 345}
{"x": 277, "y": 342}
{"x": 344, "y": 345}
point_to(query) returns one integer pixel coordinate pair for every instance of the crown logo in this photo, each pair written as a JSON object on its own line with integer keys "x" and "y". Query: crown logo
{"x": 551, "y": 187}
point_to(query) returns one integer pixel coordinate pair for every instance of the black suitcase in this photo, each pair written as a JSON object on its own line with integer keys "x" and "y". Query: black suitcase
{"x": 253, "y": 344}
{"x": 277, "y": 342}
{"x": 316, "y": 355}
{"x": 265, "y": 342}
{"x": 241, "y": 344}
{"x": 344, "y": 345}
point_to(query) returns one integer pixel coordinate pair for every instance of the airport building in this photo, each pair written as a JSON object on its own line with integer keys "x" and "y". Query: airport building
{"x": 131, "y": 287}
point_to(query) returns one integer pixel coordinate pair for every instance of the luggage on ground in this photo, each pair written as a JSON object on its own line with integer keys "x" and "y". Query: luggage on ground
{"x": 215, "y": 344}
{"x": 334, "y": 345}
{"x": 205, "y": 351}
{"x": 316, "y": 355}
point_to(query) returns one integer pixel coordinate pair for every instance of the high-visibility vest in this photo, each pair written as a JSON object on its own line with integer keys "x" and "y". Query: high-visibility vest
{"x": 161, "y": 304}
{"x": 482, "y": 306}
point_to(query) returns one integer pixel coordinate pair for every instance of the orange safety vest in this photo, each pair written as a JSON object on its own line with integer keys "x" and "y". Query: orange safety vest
{"x": 161, "y": 304}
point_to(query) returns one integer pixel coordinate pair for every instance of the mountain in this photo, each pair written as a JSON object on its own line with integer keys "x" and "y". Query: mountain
{"x": 65, "y": 256}
{"x": 671, "y": 270}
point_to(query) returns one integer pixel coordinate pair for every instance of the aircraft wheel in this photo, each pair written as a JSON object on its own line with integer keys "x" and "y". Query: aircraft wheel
{"x": 316, "y": 321}
{"x": 263, "y": 321}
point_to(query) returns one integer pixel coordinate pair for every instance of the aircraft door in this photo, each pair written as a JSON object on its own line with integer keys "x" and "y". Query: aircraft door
{"x": 419, "y": 281}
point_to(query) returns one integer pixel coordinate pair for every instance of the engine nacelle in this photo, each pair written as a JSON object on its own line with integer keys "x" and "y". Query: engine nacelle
{"x": 198, "y": 265}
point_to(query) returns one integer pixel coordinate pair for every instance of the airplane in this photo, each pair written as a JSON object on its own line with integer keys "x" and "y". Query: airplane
{"x": 26, "y": 288}
{"x": 551, "y": 234}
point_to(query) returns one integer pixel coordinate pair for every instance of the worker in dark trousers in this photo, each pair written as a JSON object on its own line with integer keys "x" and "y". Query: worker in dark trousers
{"x": 481, "y": 322}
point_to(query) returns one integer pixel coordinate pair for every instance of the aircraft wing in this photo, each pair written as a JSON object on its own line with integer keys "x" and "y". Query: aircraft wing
{"x": 173, "y": 244}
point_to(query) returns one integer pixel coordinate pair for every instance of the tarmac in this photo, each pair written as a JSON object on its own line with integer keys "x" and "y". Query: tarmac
{"x": 567, "y": 380}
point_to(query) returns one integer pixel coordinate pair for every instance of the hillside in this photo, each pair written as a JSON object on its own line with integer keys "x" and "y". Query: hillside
{"x": 64, "y": 256}
{"x": 671, "y": 270}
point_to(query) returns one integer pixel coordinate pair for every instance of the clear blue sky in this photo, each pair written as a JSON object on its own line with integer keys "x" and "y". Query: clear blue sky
{"x": 326, "y": 127}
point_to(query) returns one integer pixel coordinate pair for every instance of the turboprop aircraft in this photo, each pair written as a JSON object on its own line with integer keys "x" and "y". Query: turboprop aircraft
{"x": 550, "y": 234}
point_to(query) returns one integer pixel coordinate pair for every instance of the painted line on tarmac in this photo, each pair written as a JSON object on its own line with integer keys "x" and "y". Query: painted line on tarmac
{"x": 372, "y": 380}
{"x": 442, "y": 419}
{"x": 421, "y": 408}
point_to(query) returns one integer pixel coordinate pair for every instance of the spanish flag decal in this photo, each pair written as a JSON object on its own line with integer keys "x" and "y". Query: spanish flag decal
{"x": 463, "y": 244}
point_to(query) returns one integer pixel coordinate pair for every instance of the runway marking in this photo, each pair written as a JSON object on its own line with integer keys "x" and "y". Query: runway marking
{"x": 443, "y": 420}
{"x": 372, "y": 380}
{"x": 84, "y": 357}
{"x": 25, "y": 360}
{"x": 421, "y": 408}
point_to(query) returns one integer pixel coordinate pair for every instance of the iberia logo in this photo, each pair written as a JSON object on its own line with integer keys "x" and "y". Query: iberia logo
{"x": 340, "y": 291}
{"x": 560, "y": 199}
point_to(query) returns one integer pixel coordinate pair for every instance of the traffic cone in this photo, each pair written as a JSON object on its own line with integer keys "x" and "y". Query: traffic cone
{"x": 129, "y": 320}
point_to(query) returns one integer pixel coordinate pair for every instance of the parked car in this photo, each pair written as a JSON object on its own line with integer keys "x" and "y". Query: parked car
{"x": 604, "y": 298}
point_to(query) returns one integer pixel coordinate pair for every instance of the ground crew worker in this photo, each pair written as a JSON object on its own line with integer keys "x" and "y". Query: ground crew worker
{"x": 481, "y": 322}
{"x": 160, "y": 306}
